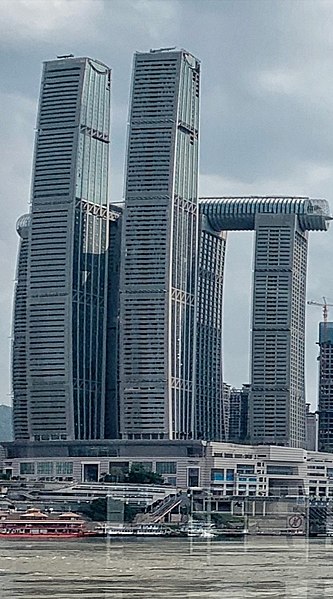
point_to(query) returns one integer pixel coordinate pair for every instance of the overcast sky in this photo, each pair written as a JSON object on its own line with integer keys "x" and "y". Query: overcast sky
{"x": 266, "y": 121}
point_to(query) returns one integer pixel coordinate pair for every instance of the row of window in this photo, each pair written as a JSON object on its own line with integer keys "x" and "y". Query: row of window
{"x": 47, "y": 468}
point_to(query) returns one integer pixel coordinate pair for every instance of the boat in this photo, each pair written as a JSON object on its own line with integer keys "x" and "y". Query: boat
{"x": 34, "y": 524}
{"x": 143, "y": 530}
{"x": 153, "y": 530}
{"x": 110, "y": 531}
{"x": 202, "y": 531}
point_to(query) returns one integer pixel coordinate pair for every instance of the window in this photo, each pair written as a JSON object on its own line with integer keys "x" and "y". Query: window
{"x": 148, "y": 466}
{"x": 45, "y": 468}
{"x": 193, "y": 477}
{"x": 118, "y": 471}
{"x": 27, "y": 468}
{"x": 217, "y": 475}
{"x": 166, "y": 467}
{"x": 245, "y": 469}
{"x": 64, "y": 468}
{"x": 281, "y": 470}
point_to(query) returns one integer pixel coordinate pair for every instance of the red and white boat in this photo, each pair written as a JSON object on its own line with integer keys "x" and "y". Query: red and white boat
{"x": 34, "y": 524}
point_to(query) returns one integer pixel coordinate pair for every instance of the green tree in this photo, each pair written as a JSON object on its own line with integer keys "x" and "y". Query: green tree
{"x": 97, "y": 509}
{"x": 130, "y": 511}
{"x": 139, "y": 475}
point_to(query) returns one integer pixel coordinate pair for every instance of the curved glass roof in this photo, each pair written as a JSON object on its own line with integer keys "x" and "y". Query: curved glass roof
{"x": 22, "y": 225}
{"x": 238, "y": 213}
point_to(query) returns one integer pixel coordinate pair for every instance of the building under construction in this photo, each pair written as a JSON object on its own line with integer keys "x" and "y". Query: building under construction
{"x": 325, "y": 403}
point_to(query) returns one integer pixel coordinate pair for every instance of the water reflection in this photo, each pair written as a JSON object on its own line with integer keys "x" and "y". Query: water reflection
{"x": 167, "y": 568}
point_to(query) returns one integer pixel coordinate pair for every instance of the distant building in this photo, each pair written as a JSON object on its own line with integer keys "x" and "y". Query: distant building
{"x": 238, "y": 414}
{"x": 6, "y": 424}
{"x": 59, "y": 342}
{"x": 226, "y": 406}
{"x": 325, "y": 400}
{"x": 312, "y": 422}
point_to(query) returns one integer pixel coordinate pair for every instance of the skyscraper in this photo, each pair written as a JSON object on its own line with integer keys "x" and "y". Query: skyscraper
{"x": 112, "y": 336}
{"x": 211, "y": 422}
{"x": 281, "y": 225}
{"x": 19, "y": 351}
{"x": 277, "y": 398}
{"x": 66, "y": 242}
{"x": 160, "y": 238}
{"x": 325, "y": 402}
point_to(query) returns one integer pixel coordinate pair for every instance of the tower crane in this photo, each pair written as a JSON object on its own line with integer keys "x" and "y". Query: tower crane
{"x": 324, "y": 306}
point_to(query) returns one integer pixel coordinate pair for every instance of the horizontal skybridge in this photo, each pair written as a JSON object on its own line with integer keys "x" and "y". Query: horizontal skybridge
{"x": 238, "y": 213}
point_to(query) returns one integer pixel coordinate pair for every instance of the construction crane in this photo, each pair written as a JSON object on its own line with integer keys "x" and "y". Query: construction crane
{"x": 324, "y": 306}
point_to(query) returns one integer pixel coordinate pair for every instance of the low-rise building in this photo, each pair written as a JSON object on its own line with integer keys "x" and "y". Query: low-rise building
{"x": 229, "y": 469}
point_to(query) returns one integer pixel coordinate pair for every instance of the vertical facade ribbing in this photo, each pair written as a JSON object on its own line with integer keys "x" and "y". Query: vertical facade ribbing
{"x": 19, "y": 347}
{"x": 66, "y": 276}
{"x": 210, "y": 412}
{"x": 277, "y": 397}
{"x": 112, "y": 343}
{"x": 325, "y": 403}
{"x": 158, "y": 276}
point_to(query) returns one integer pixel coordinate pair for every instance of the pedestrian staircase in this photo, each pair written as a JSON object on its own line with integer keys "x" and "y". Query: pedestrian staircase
{"x": 160, "y": 511}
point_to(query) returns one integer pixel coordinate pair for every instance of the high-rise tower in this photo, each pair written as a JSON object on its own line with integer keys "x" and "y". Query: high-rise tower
{"x": 325, "y": 401}
{"x": 19, "y": 351}
{"x": 158, "y": 274}
{"x": 112, "y": 337}
{"x": 211, "y": 415}
{"x": 277, "y": 397}
{"x": 281, "y": 225}
{"x": 65, "y": 334}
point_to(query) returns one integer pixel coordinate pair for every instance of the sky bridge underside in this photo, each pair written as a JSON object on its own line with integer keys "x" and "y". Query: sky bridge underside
{"x": 238, "y": 213}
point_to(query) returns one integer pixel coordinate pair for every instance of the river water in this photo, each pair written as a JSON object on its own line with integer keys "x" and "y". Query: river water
{"x": 167, "y": 568}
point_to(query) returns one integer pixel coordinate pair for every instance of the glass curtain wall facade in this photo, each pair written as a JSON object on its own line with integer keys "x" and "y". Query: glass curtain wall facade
{"x": 238, "y": 417}
{"x": 158, "y": 274}
{"x": 210, "y": 409}
{"x": 67, "y": 266}
{"x": 112, "y": 338}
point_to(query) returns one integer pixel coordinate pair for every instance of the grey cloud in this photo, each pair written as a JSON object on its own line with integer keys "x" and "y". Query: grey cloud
{"x": 266, "y": 125}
